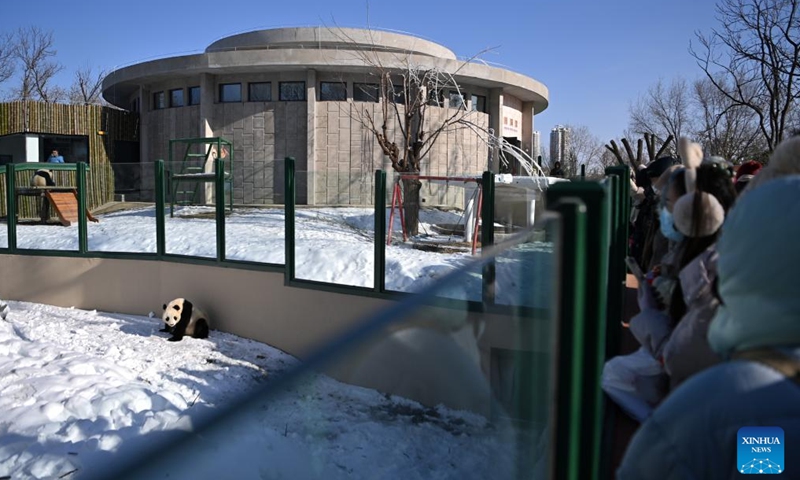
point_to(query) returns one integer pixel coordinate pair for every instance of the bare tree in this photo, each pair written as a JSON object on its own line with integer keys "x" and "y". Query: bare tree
{"x": 664, "y": 110}
{"x": 418, "y": 104}
{"x": 753, "y": 59}
{"x": 87, "y": 87}
{"x": 723, "y": 128}
{"x": 34, "y": 50}
{"x": 7, "y": 45}
{"x": 584, "y": 148}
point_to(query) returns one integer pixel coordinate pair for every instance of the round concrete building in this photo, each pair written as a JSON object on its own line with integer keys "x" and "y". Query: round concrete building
{"x": 303, "y": 92}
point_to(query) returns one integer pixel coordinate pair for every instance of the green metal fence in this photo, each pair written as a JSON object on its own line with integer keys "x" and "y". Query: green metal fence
{"x": 591, "y": 248}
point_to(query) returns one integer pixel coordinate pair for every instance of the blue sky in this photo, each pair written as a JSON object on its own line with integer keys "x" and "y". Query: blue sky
{"x": 595, "y": 56}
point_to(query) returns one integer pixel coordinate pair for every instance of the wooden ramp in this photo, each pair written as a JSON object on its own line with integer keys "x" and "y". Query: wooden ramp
{"x": 66, "y": 206}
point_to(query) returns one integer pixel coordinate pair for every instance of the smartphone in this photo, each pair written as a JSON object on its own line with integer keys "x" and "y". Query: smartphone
{"x": 634, "y": 268}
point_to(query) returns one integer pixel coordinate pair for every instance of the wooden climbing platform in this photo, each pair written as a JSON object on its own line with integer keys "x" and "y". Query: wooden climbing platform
{"x": 63, "y": 199}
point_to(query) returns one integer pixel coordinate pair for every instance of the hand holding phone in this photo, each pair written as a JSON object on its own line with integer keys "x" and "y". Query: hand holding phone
{"x": 634, "y": 268}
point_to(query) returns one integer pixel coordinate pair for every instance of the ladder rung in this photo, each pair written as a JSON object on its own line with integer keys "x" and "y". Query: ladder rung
{"x": 195, "y": 154}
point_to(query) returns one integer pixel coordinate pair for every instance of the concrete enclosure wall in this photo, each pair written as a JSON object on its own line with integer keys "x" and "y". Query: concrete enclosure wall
{"x": 259, "y": 306}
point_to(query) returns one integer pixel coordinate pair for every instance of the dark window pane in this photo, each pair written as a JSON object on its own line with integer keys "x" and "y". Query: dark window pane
{"x": 332, "y": 91}
{"x": 292, "y": 91}
{"x": 366, "y": 92}
{"x": 176, "y": 97}
{"x": 399, "y": 95}
{"x": 478, "y": 103}
{"x": 194, "y": 95}
{"x": 259, "y": 92}
{"x": 435, "y": 98}
{"x": 456, "y": 100}
{"x": 159, "y": 101}
{"x": 230, "y": 92}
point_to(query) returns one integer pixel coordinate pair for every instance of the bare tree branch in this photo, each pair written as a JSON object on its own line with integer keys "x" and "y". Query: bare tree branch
{"x": 34, "y": 51}
{"x": 7, "y": 59}
{"x": 87, "y": 87}
{"x": 752, "y": 60}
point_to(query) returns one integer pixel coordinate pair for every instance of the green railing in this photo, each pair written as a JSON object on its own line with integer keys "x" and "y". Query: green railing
{"x": 590, "y": 247}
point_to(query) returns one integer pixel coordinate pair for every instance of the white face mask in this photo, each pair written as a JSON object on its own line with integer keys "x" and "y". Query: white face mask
{"x": 668, "y": 226}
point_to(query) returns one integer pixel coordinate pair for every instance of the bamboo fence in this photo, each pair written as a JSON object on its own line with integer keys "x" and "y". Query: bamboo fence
{"x": 102, "y": 126}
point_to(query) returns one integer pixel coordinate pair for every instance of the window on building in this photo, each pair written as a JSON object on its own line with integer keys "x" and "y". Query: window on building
{"x": 194, "y": 95}
{"x": 159, "y": 101}
{"x": 435, "y": 98}
{"x": 505, "y": 120}
{"x": 176, "y": 97}
{"x": 259, "y": 92}
{"x": 135, "y": 105}
{"x": 332, "y": 91}
{"x": 366, "y": 92}
{"x": 479, "y": 103}
{"x": 230, "y": 92}
{"x": 456, "y": 100}
{"x": 292, "y": 91}
{"x": 399, "y": 95}
{"x": 74, "y": 148}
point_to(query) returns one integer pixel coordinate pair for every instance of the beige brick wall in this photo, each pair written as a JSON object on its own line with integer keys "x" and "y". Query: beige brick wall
{"x": 347, "y": 154}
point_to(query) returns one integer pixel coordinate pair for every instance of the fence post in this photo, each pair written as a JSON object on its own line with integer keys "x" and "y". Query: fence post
{"x": 83, "y": 236}
{"x": 160, "y": 188}
{"x": 11, "y": 206}
{"x": 571, "y": 337}
{"x": 487, "y": 236}
{"x": 583, "y": 171}
{"x": 595, "y": 197}
{"x": 219, "y": 205}
{"x": 289, "y": 200}
{"x": 379, "y": 284}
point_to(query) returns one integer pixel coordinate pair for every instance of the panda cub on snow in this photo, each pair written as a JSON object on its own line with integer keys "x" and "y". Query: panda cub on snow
{"x": 183, "y": 318}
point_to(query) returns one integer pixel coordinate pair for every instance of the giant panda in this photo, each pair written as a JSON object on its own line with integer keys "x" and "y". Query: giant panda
{"x": 184, "y": 318}
{"x": 43, "y": 178}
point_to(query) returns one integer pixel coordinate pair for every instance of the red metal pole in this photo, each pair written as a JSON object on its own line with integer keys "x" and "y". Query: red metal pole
{"x": 402, "y": 215}
{"x": 391, "y": 216}
{"x": 477, "y": 218}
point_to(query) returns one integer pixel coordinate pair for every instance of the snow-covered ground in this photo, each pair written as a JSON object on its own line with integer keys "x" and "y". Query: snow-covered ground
{"x": 78, "y": 387}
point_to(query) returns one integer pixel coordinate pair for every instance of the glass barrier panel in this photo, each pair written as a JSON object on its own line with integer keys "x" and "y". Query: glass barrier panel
{"x": 47, "y": 208}
{"x": 190, "y": 223}
{"x": 420, "y": 389}
{"x": 3, "y": 209}
{"x": 334, "y": 230}
{"x": 445, "y": 230}
{"x": 517, "y": 206}
{"x": 255, "y": 227}
{"x": 123, "y": 204}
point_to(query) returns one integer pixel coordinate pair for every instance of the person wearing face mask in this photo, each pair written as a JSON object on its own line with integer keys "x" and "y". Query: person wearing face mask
{"x": 677, "y": 335}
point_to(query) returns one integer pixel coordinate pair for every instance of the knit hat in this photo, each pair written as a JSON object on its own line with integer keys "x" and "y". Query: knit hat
{"x": 750, "y": 167}
{"x": 785, "y": 160}
{"x": 757, "y": 271}
{"x": 712, "y": 213}
{"x": 663, "y": 180}
{"x": 659, "y": 166}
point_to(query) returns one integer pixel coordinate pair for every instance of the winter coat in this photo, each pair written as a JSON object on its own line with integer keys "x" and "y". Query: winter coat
{"x": 687, "y": 351}
{"x": 693, "y": 433}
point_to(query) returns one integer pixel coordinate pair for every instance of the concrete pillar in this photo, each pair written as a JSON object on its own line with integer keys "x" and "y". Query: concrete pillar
{"x": 311, "y": 147}
{"x": 207, "y": 82}
{"x": 32, "y": 153}
{"x": 495, "y": 110}
{"x": 527, "y": 127}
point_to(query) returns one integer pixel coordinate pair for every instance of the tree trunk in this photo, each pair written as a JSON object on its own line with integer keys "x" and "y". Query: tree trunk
{"x": 411, "y": 204}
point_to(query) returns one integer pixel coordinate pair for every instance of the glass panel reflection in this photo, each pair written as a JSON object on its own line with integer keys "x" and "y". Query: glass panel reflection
{"x": 334, "y": 236}
{"x": 190, "y": 223}
{"x": 46, "y": 208}
{"x": 255, "y": 230}
{"x": 126, "y": 214}
{"x": 421, "y": 389}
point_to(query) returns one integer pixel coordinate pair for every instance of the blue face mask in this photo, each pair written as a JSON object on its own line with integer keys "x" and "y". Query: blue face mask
{"x": 668, "y": 227}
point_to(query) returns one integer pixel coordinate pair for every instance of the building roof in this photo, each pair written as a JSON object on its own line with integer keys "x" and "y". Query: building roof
{"x": 343, "y": 50}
